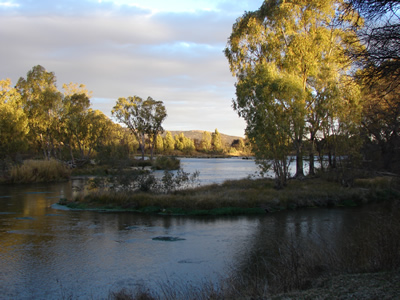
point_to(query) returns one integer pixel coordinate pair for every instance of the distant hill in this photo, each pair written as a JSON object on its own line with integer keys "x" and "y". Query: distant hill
{"x": 198, "y": 134}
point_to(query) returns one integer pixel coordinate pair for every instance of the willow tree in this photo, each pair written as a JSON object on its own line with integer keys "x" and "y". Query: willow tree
{"x": 296, "y": 43}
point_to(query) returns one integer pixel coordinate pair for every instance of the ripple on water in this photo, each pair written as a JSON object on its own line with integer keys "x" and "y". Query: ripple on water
{"x": 25, "y": 218}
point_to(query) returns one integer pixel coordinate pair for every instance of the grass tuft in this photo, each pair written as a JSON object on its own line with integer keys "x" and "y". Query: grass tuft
{"x": 32, "y": 171}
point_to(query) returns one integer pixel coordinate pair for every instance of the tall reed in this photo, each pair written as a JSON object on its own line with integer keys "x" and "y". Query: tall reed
{"x": 31, "y": 171}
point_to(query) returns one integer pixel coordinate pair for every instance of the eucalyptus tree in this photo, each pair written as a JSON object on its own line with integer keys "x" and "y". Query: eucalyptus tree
{"x": 154, "y": 113}
{"x": 287, "y": 56}
{"x": 75, "y": 117}
{"x": 13, "y": 121}
{"x": 141, "y": 117}
{"x": 42, "y": 103}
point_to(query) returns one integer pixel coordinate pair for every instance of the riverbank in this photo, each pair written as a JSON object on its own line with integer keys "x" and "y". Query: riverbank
{"x": 367, "y": 286}
{"x": 246, "y": 196}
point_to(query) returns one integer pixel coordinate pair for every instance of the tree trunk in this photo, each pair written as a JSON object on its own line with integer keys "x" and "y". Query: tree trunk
{"x": 299, "y": 159}
{"x": 299, "y": 164}
{"x": 142, "y": 145}
{"x": 311, "y": 169}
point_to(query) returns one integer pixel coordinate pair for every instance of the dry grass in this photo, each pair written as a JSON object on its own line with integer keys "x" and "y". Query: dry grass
{"x": 241, "y": 194}
{"x": 39, "y": 171}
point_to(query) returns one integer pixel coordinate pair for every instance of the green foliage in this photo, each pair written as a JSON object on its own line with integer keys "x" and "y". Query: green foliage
{"x": 141, "y": 117}
{"x": 180, "y": 180}
{"x": 205, "y": 144}
{"x": 292, "y": 76}
{"x": 13, "y": 121}
{"x": 184, "y": 144}
{"x": 143, "y": 181}
{"x": 166, "y": 163}
{"x": 216, "y": 141}
{"x": 169, "y": 143}
{"x": 159, "y": 144}
{"x": 42, "y": 103}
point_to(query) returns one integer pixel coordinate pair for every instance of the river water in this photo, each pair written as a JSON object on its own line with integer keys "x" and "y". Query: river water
{"x": 46, "y": 253}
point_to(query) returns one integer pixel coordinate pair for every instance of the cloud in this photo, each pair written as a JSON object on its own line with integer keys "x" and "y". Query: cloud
{"x": 121, "y": 50}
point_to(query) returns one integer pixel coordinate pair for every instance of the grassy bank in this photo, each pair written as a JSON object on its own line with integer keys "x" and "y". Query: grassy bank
{"x": 240, "y": 197}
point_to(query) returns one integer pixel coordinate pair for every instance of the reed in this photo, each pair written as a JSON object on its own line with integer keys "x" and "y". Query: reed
{"x": 31, "y": 171}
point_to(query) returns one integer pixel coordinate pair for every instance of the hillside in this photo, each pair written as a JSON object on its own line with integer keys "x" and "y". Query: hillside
{"x": 198, "y": 134}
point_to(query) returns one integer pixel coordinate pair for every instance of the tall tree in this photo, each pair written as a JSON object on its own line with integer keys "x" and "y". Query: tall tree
{"x": 141, "y": 117}
{"x": 169, "y": 143}
{"x": 205, "y": 143}
{"x": 184, "y": 144}
{"x": 216, "y": 141}
{"x": 42, "y": 103}
{"x": 13, "y": 121}
{"x": 295, "y": 44}
{"x": 381, "y": 121}
{"x": 75, "y": 119}
{"x": 154, "y": 113}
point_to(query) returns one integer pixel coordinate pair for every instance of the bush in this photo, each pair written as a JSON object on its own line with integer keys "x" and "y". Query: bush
{"x": 166, "y": 163}
{"x": 39, "y": 171}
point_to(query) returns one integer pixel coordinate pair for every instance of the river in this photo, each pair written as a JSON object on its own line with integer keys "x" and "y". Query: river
{"x": 47, "y": 253}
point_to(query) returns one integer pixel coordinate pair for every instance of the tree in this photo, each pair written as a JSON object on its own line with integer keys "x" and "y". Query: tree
{"x": 159, "y": 143}
{"x": 296, "y": 44}
{"x": 184, "y": 144}
{"x": 13, "y": 121}
{"x": 205, "y": 143}
{"x": 154, "y": 113}
{"x": 381, "y": 37}
{"x": 42, "y": 103}
{"x": 381, "y": 120}
{"x": 169, "y": 143}
{"x": 76, "y": 104}
{"x": 216, "y": 141}
{"x": 268, "y": 101}
{"x": 75, "y": 88}
{"x": 141, "y": 117}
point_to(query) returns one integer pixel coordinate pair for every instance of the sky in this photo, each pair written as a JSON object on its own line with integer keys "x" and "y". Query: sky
{"x": 170, "y": 50}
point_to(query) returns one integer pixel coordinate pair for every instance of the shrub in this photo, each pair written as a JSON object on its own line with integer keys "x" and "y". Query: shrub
{"x": 39, "y": 171}
{"x": 166, "y": 163}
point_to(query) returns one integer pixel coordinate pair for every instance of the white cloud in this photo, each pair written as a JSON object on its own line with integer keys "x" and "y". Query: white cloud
{"x": 119, "y": 50}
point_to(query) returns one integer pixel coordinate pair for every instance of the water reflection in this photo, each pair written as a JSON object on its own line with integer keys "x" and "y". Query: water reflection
{"x": 46, "y": 253}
